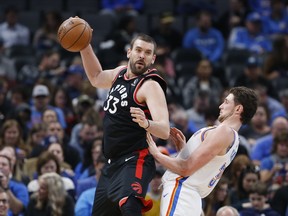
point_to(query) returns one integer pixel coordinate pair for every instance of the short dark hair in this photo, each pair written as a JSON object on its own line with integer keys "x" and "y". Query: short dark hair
{"x": 260, "y": 188}
{"x": 145, "y": 38}
{"x": 279, "y": 138}
{"x": 248, "y": 99}
{"x": 44, "y": 158}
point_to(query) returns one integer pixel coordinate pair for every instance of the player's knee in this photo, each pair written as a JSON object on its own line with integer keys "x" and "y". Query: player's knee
{"x": 132, "y": 207}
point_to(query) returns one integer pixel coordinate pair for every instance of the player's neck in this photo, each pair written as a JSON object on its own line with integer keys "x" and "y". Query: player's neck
{"x": 233, "y": 123}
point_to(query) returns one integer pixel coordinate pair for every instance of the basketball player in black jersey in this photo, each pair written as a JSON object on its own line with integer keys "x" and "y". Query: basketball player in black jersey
{"x": 136, "y": 104}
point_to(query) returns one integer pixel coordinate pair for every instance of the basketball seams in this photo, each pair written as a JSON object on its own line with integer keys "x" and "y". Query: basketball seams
{"x": 83, "y": 30}
{"x": 73, "y": 39}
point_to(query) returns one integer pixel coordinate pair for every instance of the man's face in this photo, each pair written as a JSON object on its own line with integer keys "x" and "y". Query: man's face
{"x": 258, "y": 201}
{"x": 41, "y": 102}
{"x": 88, "y": 132}
{"x": 4, "y": 204}
{"x": 4, "y": 166}
{"x": 55, "y": 129}
{"x": 141, "y": 56}
{"x": 226, "y": 108}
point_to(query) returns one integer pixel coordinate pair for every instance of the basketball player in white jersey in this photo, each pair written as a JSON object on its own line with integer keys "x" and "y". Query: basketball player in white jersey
{"x": 196, "y": 170}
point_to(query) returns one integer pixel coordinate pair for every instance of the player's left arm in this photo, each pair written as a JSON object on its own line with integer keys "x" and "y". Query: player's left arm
{"x": 152, "y": 94}
{"x": 215, "y": 143}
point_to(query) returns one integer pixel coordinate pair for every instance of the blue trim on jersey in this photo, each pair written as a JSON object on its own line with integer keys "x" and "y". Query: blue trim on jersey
{"x": 176, "y": 196}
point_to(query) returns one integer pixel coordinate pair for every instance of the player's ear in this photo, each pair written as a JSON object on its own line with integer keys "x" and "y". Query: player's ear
{"x": 128, "y": 53}
{"x": 239, "y": 108}
{"x": 153, "y": 59}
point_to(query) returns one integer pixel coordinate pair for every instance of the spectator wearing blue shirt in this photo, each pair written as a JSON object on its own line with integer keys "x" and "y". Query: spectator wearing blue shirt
{"x": 208, "y": 40}
{"x": 122, "y": 6}
{"x": 277, "y": 22}
{"x": 17, "y": 191}
{"x": 250, "y": 37}
{"x": 263, "y": 146}
{"x": 262, "y": 7}
{"x": 84, "y": 203}
{"x": 273, "y": 168}
{"x": 41, "y": 98}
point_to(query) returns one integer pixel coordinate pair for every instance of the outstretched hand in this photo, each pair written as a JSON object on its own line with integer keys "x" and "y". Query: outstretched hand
{"x": 153, "y": 149}
{"x": 177, "y": 138}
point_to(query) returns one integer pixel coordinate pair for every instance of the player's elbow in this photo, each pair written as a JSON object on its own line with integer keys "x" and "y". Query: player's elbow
{"x": 166, "y": 135}
{"x": 183, "y": 168}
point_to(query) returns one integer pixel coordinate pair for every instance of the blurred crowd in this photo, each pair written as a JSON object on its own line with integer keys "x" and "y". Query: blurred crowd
{"x": 51, "y": 116}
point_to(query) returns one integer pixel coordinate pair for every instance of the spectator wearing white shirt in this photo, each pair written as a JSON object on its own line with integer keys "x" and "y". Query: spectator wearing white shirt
{"x": 11, "y": 31}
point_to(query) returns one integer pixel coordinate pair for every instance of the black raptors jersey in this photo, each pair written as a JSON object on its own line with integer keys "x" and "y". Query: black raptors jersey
{"x": 121, "y": 134}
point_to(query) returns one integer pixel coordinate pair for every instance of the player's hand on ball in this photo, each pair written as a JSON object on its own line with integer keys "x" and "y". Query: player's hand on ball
{"x": 74, "y": 34}
{"x": 177, "y": 138}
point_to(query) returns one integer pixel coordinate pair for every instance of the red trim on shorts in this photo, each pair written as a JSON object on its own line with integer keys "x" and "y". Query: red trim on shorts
{"x": 139, "y": 166}
{"x": 147, "y": 204}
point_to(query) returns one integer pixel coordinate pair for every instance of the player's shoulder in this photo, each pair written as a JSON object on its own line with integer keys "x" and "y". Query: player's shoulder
{"x": 224, "y": 129}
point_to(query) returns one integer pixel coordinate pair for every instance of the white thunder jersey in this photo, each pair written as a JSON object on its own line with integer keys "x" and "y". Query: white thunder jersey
{"x": 188, "y": 191}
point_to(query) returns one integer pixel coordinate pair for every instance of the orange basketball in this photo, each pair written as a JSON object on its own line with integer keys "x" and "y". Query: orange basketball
{"x": 74, "y": 34}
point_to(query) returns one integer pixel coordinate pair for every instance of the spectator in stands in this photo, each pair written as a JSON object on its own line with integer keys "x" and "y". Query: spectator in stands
{"x": 227, "y": 211}
{"x": 119, "y": 7}
{"x": 11, "y": 31}
{"x": 258, "y": 126}
{"x": 91, "y": 181}
{"x": 86, "y": 114}
{"x": 263, "y": 7}
{"x": 6, "y": 108}
{"x": 208, "y": 40}
{"x": 196, "y": 112}
{"x": 36, "y": 135}
{"x": 4, "y": 203}
{"x": 61, "y": 99}
{"x": 87, "y": 133}
{"x": 204, "y": 80}
{"x": 258, "y": 205}
{"x": 65, "y": 169}
{"x": 283, "y": 97}
{"x": 279, "y": 201}
{"x": 41, "y": 98}
{"x": 92, "y": 151}
{"x": 263, "y": 145}
{"x": 276, "y": 63}
{"x": 16, "y": 191}
{"x": 277, "y": 22}
{"x": 74, "y": 77}
{"x": 7, "y": 69}
{"x": 47, "y": 67}
{"x": 49, "y": 115}
{"x": 250, "y": 37}
{"x": 51, "y": 198}
{"x": 71, "y": 155}
{"x": 274, "y": 105}
{"x": 248, "y": 177}
{"x": 165, "y": 32}
{"x": 218, "y": 198}
{"x": 45, "y": 37}
{"x": 47, "y": 162}
{"x": 11, "y": 135}
{"x": 84, "y": 203}
{"x": 233, "y": 17}
{"x": 253, "y": 75}
{"x": 274, "y": 168}
{"x": 233, "y": 172}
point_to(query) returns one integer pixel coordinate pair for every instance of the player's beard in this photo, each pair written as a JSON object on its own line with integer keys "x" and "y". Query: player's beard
{"x": 222, "y": 118}
{"x": 136, "y": 69}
